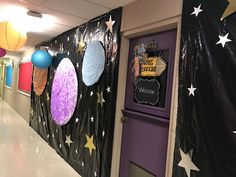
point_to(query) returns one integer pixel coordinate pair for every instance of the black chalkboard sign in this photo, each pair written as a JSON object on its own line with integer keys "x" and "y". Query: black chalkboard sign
{"x": 147, "y": 91}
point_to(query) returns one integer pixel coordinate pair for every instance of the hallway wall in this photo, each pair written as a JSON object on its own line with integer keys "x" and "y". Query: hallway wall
{"x": 19, "y": 102}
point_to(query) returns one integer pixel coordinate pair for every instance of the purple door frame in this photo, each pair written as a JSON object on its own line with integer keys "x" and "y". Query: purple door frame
{"x": 145, "y": 132}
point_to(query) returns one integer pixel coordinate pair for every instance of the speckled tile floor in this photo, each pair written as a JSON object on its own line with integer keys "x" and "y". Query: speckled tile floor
{"x": 23, "y": 153}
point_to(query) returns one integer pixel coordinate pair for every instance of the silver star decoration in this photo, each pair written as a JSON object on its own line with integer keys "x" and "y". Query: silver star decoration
{"x": 44, "y": 123}
{"x": 186, "y": 162}
{"x": 191, "y": 90}
{"x": 77, "y": 120}
{"x": 100, "y": 98}
{"x": 91, "y": 93}
{"x": 60, "y": 145}
{"x": 68, "y": 38}
{"x": 77, "y": 65}
{"x": 92, "y": 118}
{"x": 68, "y": 53}
{"x": 103, "y": 133}
{"x": 112, "y": 59}
{"x": 108, "y": 89}
{"x": 82, "y": 163}
{"x": 81, "y": 96}
{"x": 95, "y": 174}
{"x": 223, "y": 40}
{"x": 68, "y": 141}
{"x": 61, "y": 48}
{"x": 197, "y": 10}
{"x": 76, "y": 151}
{"x": 109, "y": 24}
{"x": 234, "y": 132}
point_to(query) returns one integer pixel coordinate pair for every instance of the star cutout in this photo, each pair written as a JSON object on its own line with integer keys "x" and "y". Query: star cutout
{"x": 92, "y": 119}
{"x": 112, "y": 59}
{"x": 191, "y": 90}
{"x": 186, "y": 162}
{"x": 231, "y": 8}
{"x": 197, "y": 10}
{"x": 95, "y": 174}
{"x": 48, "y": 97}
{"x": 108, "y": 89}
{"x": 76, "y": 151}
{"x": 100, "y": 98}
{"x": 223, "y": 40}
{"x": 91, "y": 93}
{"x": 90, "y": 144}
{"x": 109, "y": 24}
{"x": 81, "y": 45}
{"x": 77, "y": 120}
{"x": 68, "y": 141}
{"x": 103, "y": 133}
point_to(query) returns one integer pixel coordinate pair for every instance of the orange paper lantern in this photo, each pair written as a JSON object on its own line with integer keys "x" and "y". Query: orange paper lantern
{"x": 11, "y": 38}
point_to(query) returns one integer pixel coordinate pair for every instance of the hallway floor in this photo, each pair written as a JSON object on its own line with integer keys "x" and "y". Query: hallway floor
{"x": 23, "y": 153}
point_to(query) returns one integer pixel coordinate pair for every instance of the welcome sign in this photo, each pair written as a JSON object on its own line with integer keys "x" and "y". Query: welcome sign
{"x": 153, "y": 66}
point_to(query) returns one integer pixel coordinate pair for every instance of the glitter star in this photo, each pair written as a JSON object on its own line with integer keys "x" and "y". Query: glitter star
{"x": 108, "y": 89}
{"x": 186, "y": 162}
{"x": 100, "y": 98}
{"x": 91, "y": 93}
{"x": 92, "y": 118}
{"x": 68, "y": 141}
{"x": 110, "y": 24}
{"x": 90, "y": 144}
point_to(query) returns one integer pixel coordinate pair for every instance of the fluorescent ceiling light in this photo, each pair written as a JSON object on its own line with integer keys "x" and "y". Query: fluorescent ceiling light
{"x": 26, "y": 21}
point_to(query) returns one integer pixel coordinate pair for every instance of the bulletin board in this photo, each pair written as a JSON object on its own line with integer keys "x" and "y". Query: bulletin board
{"x": 8, "y": 80}
{"x": 25, "y": 77}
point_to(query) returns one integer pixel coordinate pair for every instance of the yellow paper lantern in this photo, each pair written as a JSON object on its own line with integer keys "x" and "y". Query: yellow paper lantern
{"x": 11, "y": 38}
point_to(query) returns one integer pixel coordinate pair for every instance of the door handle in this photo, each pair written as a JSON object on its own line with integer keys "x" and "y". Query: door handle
{"x": 123, "y": 119}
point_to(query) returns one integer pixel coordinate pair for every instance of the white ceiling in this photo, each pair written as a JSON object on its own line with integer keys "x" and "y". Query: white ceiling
{"x": 67, "y": 14}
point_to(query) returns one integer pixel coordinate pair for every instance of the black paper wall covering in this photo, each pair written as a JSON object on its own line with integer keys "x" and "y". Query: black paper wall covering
{"x": 85, "y": 142}
{"x": 205, "y": 143}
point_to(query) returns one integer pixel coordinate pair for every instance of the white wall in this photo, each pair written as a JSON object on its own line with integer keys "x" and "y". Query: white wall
{"x": 140, "y": 18}
{"x": 19, "y": 102}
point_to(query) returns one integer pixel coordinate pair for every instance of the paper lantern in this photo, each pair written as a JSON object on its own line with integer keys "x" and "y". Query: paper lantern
{"x": 39, "y": 80}
{"x": 41, "y": 59}
{"x": 11, "y": 38}
{"x": 2, "y": 52}
{"x": 93, "y": 63}
{"x": 64, "y": 92}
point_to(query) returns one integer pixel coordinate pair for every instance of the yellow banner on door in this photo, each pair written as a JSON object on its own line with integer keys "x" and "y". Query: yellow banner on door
{"x": 153, "y": 66}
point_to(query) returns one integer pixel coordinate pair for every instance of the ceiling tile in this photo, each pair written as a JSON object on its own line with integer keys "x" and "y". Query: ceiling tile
{"x": 78, "y": 8}
{"x": 112, "y": 3}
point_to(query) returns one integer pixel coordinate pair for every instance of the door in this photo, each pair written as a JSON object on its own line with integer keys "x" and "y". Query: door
{"x": 147, "y": 105}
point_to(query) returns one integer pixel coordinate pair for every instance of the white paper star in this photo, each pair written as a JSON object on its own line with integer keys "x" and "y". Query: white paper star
{"x": 77, "y": 120}
{"x": 68, "y": 141}
{"x": 76, "y": 151}
{"x": 82, "y": 163}
{"x": 68, "y": 53}
{"x": 191, "y": 90}
{"x": 197, "y": 10}
{"x": 108, "y": 89}
{"x": 234, "y": 132}
{"x": 103, "y": 133}
{"x": 223, "y": 40}
{"x": 112, "y": 59}
{"x": 77, "y": 65}
{"x": 92, "y": 118}
{"x": 95, "y": 174}
{"x": 68, "y": 38}
{"x": 109, "y": 24}
{"x": 186, "y": 162}
{"x": 91, "y": 93}
{"x": 60, "y": 145}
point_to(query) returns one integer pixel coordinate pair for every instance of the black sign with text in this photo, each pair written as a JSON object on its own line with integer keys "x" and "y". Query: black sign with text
{"x": 147, "y": 91}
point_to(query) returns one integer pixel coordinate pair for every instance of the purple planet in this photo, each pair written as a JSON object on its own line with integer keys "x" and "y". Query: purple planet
{"x": 64, "y": 92}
